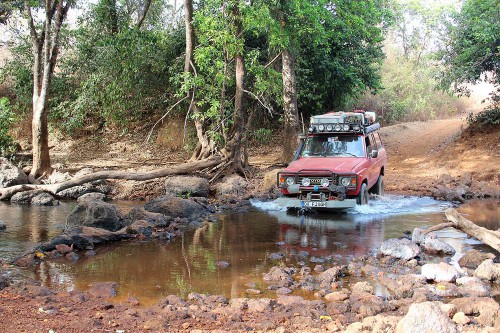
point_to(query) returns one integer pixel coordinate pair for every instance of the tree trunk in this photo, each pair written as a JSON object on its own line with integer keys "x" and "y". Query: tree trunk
{"x": 185, "y": 168}
{"x": 45, "y": 48}
{"x": 488, "y": 237}
{"x": 291, "y": 126}
{"x": 232, "y": 150}
{"x": 40, "y": 136}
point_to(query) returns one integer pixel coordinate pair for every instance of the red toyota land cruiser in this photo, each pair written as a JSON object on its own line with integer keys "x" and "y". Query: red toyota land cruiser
{"x": 337, "y": 164}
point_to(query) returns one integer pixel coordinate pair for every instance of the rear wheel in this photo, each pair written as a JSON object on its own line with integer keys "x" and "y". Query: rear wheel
{"x": 362, "y": 198}
{"x": 378, "y": 188}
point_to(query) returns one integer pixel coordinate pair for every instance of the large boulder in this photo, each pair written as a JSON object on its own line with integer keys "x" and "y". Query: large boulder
{"x": 154, "y": 219}
{"x": 11, "y": 175}
{"x": 488, "y": 270}
{"x": 426, "y": 317}
{"x": 25, "y": 197}
{"x": 75, "y": 192}
{"x": 279, "y": 276}
{"x": 44, "y": 199}
{"x": 176, "y": 207}
{"x": 233, "y": 186}
{"x": 441, "y": 272}
{"x": 400, "y": 248}
{"x": 93, "y": 196}
{"x": 437, "y": 246}
{"x": 487, "y": 308}
{"x": 473, "y": 258}
{"x": 187, "y": 186}
{"x": 97, "y": 214}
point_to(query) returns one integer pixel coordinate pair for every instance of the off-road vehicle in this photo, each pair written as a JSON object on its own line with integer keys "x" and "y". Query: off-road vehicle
{"x": 337, "y": 164}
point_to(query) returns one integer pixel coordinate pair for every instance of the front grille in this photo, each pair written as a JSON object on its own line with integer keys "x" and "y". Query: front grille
{"x": 316, "y": 180}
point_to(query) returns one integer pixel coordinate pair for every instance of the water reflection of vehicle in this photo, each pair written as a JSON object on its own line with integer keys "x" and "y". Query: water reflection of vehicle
{"x": 328, "y": 234}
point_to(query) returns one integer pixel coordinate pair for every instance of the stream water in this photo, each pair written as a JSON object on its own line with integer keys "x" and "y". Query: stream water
{"x": 153, "y": 269}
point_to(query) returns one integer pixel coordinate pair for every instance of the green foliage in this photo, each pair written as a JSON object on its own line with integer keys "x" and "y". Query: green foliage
{"x": 7, "y": 147}
{"x": 489, "y": 117}
{"x": 473, "y": 47}
{"x": 262, "y": 135}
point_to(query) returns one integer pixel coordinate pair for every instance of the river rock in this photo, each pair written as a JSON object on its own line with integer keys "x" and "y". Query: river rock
{"x": 487, "y": 308}
{"x": 75, "y": 192}
{"x": 400, "y": 248}
{"x": 441, "y": 272}
{"x": 488, "y": 270}
{"x": 472, "y": 286}
{"x": 25, "y": 197}
{"x": 473, "y": 258}
{"x": 103, "y": 289}
{"x": 98, "y": 214}
{"x": 44, "y": 199}
{"x": 176, "y": 207}
{"x": 336, "y": 296}
{"x": 94, "y": 196}
{"x": 232, "y": 186}
{"x": 260, "y": 305}
{"x": 187, "y": 186}
{"x": 331, "y": 275}
{"x": 362, "y": 287}
{"x": 426, "y": 317}
{"x": 278, "y": 275}
{"x": 418, "y": 236}
{"x": 83, "y": 238}
{"x": 437, "y": 246}
{"x": 276, "y": 256}
{"x": 374, "y": 324}
{"x": 140, "y": 227}
{"x": 11, "y": 175}
{"x": 269, "y": 181}
{"x": 4, "y": 282}
{"x": 2, "y": 225}
{"x": 155, "y": 219}
{"x": 461, "y": 319}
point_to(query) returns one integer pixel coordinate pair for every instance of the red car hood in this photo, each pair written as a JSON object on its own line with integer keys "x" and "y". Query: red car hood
{"x": 334, "y": 164}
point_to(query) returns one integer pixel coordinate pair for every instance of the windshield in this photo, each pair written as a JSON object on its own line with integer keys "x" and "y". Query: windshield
{"x": 333, "y": 145}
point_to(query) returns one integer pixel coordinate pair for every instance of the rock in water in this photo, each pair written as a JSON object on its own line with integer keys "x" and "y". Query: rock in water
{"x": 441, "y": 272}
{"x": 400, "y": 248}
{"x": 187, "y": 186}
{"x": 488, "y": 271}
{"x": 44, "y": 199}
{"x": 2, "y": 225}
{"x": 97, "y": 214}
{"x": 437, "y": 246}
{"x": 233, "y": 186}
{"x": 426, "y": 317}
{"x": 176, "y": 207}
{"x": 11, "y": 175}
{"x": 473, "y": 258}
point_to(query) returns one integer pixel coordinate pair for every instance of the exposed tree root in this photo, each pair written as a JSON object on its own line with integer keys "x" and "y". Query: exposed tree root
{"x": 456, "y": 220}
{"x": 8, "y": 192}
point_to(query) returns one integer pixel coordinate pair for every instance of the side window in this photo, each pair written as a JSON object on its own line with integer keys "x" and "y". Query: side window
{"x": 372, "y": 142}
{"x": 378, "y": 140}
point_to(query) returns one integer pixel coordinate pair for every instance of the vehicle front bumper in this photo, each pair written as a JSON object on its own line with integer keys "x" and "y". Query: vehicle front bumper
{"x": 330, "y": 204}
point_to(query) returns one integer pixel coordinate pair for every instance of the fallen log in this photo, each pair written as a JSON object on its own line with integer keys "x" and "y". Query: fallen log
{"x": 185, "y": 168}
{"x": 457, "y": 221}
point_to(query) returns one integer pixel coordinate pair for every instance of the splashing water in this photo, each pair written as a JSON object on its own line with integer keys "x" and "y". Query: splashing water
{"x": 379, "y": 206}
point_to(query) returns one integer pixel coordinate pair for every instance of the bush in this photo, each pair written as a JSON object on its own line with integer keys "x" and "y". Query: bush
{"x": 489, "y": 117}
{"x": 7, "y": 146}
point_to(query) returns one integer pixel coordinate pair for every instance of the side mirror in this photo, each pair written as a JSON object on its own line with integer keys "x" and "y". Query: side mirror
{"x": 374, "y": 153}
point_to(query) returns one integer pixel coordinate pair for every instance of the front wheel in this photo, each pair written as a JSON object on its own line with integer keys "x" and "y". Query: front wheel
{"x": 362, "y": 198}
{"x": 378, "y": 188}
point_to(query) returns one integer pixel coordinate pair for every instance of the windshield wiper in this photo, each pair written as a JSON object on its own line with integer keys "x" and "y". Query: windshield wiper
{"x": 345, "y": 153}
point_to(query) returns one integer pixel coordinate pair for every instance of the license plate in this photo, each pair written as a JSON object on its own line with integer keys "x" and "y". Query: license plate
{"x": 313, "y": 204}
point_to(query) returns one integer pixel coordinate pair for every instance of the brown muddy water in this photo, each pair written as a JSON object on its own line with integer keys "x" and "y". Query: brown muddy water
{"x": 150, "y": 270}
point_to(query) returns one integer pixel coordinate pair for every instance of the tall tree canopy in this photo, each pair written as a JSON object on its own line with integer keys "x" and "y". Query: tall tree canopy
{"x": 473, "y": 48}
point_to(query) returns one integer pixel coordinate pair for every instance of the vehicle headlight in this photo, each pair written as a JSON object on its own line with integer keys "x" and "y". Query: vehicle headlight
{"x": 346, "y": 127}
{"x": 329, "y": 128}
{"x": 321, "y": 128}
{"x": 356, "y": 128}
{"x": 338, "y": 128}
{"x": 290, "y": 181}
{"x": 325, "y": 182}
{"x": 306, "y": 181}
{"x": 345, "y": 181}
